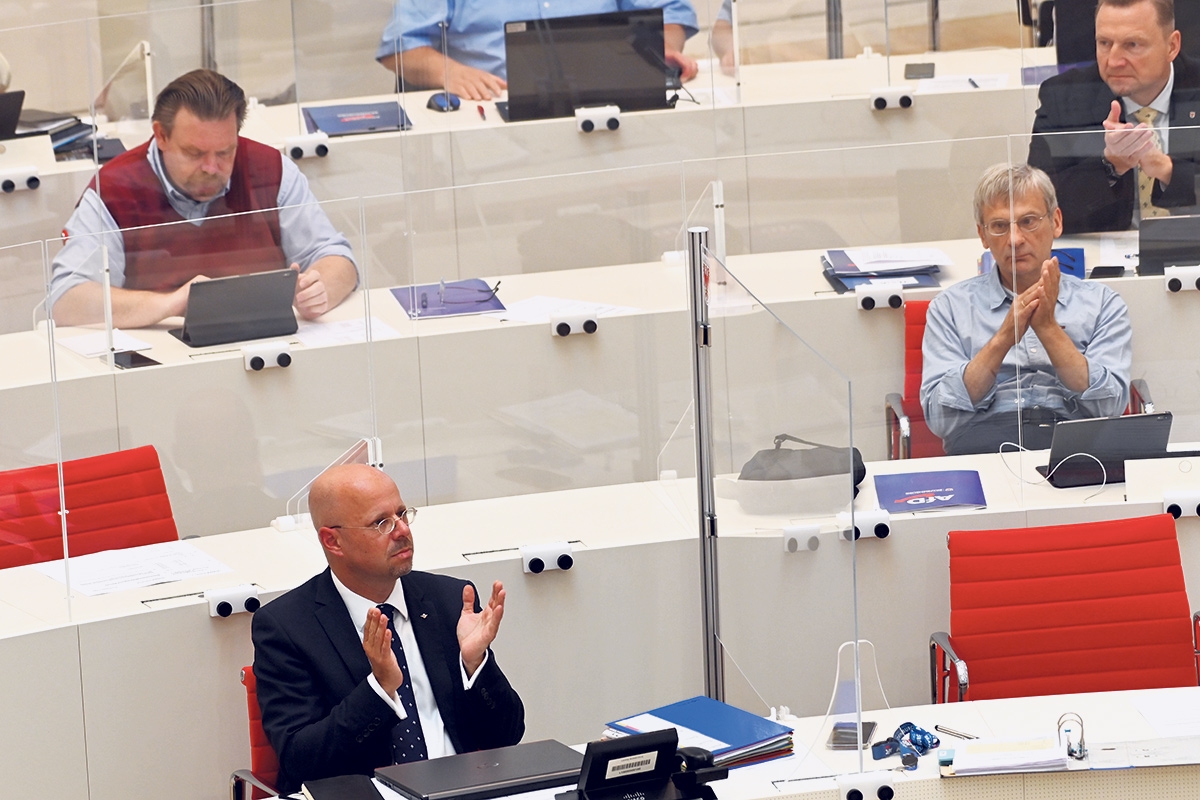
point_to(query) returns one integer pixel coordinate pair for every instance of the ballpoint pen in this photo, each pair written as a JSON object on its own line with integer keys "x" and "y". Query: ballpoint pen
{"x": 973, "y": 83}
{"x": 954, "y": 733}
{"x": 482, "y": 115}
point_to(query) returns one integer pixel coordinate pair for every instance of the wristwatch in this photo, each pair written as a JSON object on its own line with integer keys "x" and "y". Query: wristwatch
{"x": 1110, "y": 170}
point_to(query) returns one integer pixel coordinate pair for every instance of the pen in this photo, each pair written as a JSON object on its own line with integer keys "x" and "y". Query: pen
{"x": 972, "y": 82}
{"x": 482, "y": 115}
{"x": 954, "y": 733}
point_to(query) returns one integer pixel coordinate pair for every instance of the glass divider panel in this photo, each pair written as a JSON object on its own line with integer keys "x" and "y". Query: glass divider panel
{"x": 550, "y": 442}
{"x": 38, "y": 646}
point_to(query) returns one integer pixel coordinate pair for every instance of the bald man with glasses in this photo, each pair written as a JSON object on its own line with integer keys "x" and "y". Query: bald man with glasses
{"x": 1008, "y": 353}
{"x": 371, "y": 663}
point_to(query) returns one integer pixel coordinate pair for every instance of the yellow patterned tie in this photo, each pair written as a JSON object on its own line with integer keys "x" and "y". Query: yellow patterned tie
{"x": 1145, "y": 182}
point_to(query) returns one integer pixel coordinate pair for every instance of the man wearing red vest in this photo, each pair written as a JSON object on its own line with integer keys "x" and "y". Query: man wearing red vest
{"x": 237, "y": 207}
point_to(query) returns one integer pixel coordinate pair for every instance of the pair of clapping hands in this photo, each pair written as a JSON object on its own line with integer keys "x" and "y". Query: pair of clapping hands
{"x": 1127, "y": 145}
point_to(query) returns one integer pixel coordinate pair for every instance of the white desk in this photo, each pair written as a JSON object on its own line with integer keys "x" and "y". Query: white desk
{"x": 619, "y": 633}
{"x": 463, "y": 404}
{"x": 504, "y": 198}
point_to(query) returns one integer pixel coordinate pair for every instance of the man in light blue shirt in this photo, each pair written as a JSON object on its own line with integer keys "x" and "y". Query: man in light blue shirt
{"x": 470, "y": 63}
{"x": 1009, "y": 352}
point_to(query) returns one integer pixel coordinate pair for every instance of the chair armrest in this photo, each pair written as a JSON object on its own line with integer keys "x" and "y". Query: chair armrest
{"x": 940, "y": 641}
{"x": 240, "y": 778}
{"x": 893, "y": 407}
{"x": 1139, "y": 397}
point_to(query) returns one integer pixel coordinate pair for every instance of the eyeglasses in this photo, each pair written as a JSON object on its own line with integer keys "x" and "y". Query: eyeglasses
{"x": 1028, "y": 224}
{"x": 465, "y": 295}
{"x": 385, "y": 526}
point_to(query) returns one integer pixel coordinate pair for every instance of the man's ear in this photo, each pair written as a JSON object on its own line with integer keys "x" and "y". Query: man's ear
{"x": 330, "y": 540}
{"x": 160, "y": 134}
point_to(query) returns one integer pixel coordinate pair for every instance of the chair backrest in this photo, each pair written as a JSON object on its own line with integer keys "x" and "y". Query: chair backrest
{"x": 113, "y": 501}
{"x": 263, "y": 761}
{"x": 1094, "y": 606}
{"x": 914, "y": 335}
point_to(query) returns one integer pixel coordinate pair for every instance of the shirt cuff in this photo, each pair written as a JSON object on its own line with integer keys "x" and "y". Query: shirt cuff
{"x": 468, "y": 682}
{"x": 391, "y": 701}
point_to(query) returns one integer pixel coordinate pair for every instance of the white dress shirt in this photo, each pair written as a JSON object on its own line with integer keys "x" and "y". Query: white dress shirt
{"x": 437, "y": 741}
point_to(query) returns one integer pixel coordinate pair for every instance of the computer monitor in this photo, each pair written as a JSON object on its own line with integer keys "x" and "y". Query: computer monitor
{"x": 1168, "y": 242}
{"x": 560, "y": 64}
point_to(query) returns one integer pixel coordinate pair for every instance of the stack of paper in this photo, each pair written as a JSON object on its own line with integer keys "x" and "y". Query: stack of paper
{"x": 913, "y": 266}
{"x": 734, "y": 737}
{"x": 990, "y": 756}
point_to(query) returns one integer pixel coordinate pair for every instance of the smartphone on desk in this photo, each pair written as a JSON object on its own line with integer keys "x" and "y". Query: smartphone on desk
{"x": 1106, "y": 272}
{"x": 132, "y": 360}
{"x": 844, "y": 735}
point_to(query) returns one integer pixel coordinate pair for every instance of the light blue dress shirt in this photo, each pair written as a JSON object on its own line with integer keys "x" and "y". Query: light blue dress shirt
{"x": 964, "y": 317}
{"x": 475, "y": 28}
{"x": 306, "y": 233}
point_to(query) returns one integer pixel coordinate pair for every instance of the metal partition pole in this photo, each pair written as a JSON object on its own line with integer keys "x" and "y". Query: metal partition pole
{"x": 935, "y": 26}
{"x": 833, "y": 28}
{"x": 208, "y": 36}
{"x": 714, "y": 675}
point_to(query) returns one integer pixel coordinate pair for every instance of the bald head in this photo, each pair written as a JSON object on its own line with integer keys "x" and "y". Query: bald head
{"x": 346, "y": 503}
{"x": 343, "y": 489}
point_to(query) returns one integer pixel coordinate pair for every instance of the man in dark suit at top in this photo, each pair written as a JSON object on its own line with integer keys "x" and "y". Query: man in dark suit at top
{"x": 338, "y": 696}
{"x": 1138, "y": 106}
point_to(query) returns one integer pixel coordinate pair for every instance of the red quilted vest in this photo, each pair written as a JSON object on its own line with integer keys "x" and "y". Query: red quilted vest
{"x": 165, "y": 257}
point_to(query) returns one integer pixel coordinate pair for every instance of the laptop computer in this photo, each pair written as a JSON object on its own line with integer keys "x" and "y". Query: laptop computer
{"x": 10, "y": 112}
{"x": 560, "y": 64}
{"x": 485, "y": 773}
{"x": 1111, "y": 440}
{"x": 1168, "y": 242}
{"x": 239, "y": 308}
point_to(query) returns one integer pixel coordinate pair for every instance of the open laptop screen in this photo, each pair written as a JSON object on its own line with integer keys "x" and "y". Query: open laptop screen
{"x": 1168, "y": 242}
{"x": 557, "y": 65}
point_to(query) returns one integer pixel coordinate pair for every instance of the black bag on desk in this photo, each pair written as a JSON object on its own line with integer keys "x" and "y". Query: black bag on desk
{"x": 786, "y": 464}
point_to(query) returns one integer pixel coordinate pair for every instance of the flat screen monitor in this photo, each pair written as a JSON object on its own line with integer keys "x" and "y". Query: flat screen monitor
{"x": 560, "y": 64}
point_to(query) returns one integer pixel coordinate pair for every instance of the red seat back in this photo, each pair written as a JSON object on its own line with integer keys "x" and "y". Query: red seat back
{"x": 263, "y": 761}
{"x": 114, "y": 500}
{"x": 922, "y": 442}
{"x": 1095, "y": 606}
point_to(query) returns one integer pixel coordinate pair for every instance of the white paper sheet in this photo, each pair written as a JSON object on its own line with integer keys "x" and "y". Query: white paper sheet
{"x": 90, "y": 345}
{"x": 541, "y": 308}
{"x": 881, "y": 259}
{"x": 645, "y": 723}
{"x": 962, "y": 83}
{"x": 133, "y": 567}
{"x": 1119, "y": 249}
{"x": 1170, "y": 713}
{"x": 348, "y": 331}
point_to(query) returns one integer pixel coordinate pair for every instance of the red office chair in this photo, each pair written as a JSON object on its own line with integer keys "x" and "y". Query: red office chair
{"x": 908, "y": 435}
{"x": 113, "y": 501}
{"x": 264, "y": 765}
{"x": 1090, "y": 607}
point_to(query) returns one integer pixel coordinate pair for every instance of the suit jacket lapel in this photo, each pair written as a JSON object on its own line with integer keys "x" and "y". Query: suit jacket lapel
{"x": 335, "y": 621}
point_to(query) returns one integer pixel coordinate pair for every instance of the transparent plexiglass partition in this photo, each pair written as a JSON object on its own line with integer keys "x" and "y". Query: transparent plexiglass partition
{"x": 36, "y": 641}
{"x": 1125, "y": 253}
{"x": 236, "y": 438}
{"x": 548, "y": 321}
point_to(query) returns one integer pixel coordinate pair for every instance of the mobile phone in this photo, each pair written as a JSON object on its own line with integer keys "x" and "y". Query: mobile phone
{"x": 133, "y": 360}
{"x": 844, "y": 734}
{"x": 918, "y": 71}
{"x": 1106, "y": 272}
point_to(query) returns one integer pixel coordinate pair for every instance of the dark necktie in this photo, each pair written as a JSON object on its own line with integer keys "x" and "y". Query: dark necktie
{"x": 408, "y": 740}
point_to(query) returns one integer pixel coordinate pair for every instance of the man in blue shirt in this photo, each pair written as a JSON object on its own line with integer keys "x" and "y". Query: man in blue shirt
{"x": 1009, "y": 352}
{"x": 471, "y": 62}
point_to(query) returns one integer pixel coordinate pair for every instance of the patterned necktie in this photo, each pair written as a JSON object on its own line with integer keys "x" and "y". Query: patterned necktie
{"x": 1145, "y": 182}
{"x": 408, "y": 740}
